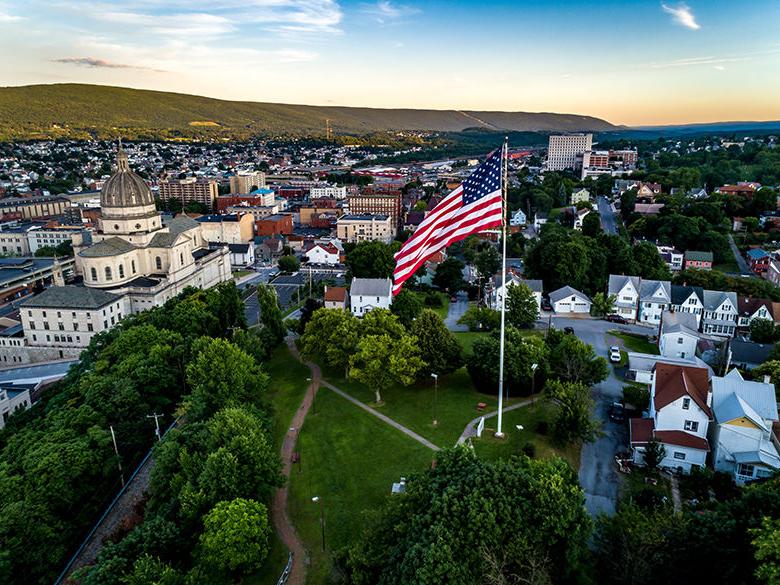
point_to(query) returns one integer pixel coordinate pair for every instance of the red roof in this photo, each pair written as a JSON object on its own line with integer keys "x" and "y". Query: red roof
{"x": 641, "y": 430}
{"x": 673, "y": 382}
{"x": 682, "y": 439}
{"x": 336, "y": 294}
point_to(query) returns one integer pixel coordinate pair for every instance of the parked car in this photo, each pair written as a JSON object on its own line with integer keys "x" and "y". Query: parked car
{"x": 614, "y": 354}
{"x": 616, "y": 319}
{"x": 617, "y": 413}
{"x": 569, "y": 330}
{"x": 546, "y": 306}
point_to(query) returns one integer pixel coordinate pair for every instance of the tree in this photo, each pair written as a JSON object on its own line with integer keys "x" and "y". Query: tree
{"x": 488, "y": 262}
{"x": 572, "y": 360}
{"x": 439, "y": 349}
{"x": 289, "y": 263}
{"x": 654, "y": 454}
{"x": 767, "y": 544}
{"x": 770, "y": 368}
{"x": 763, "y": 331}
{"x": 649, "y": 262}
{"x": 522, "y": 310}
{"x": 406, "y": 306}
{"x": 381, "y": 360}
{"x": 449, "y": 275}
{"x": 373, "y": 259}
{"x": 235, "y": 537}
{"x": 308, "y": 309}
{"x": 148, "y": 569}
{"x": 573, "y": 422}
{"x": 591, "y": 225}
{"x": 602, "y": 305}
{"x": 270, "y": 315}
{"x": 480, "y": 319}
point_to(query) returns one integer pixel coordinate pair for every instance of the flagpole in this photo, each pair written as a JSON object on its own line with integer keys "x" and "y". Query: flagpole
{"x": 505, "y": 171}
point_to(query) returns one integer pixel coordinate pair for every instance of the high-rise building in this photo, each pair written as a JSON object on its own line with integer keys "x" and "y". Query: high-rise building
{"x": 565, "y": 151}
{"x": 377, "y": 204}
{"x": 242, "y": 183}
{"x": 190, "y": 190}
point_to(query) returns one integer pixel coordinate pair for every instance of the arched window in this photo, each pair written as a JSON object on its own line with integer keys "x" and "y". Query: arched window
{"x": 158, "y": 263}
{"x": 121, "y": 271}
{"x": 108, "y": 273}
{"x": 93, "y": 273}
{"x": 132, "y": 266}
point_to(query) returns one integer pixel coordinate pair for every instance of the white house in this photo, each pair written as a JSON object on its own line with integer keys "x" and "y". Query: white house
{"x": 749, "y": 308}
{"x": 512, "y": 279}
{"x": 679, "y": 335}
{"x": 720, "y": 313}
{"x": 13, "y": 398}
{"x": 741, "y": 438}
{"x": 242, "y": 254}
{"x": 518, "y": 218}
{"x": 626, "y": 292}
{"x": 370, "y": 293}
{"x": 569, "y": 300}
{"x": 579, "y": 216}
{"x": 680, "y": 411}
{"x": 641, "y": 366}
{"x": 688, "y": 299}
{"x": 655, "y": 296}
{"x": 581, "y": 196}
{"x": 540, "y": 218}
{"x": 323, "y": 254}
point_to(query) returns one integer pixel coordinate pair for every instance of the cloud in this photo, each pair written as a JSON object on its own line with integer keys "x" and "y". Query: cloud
{"x": 94, "y": 63}
{"x": 719, "y": 67}
{"x": 682, "y": 15}
{"x": 385, "y": 11}
{"x": 5, "y": 18}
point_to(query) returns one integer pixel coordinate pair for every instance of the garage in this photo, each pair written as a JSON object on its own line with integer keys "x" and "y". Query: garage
{"x": 570, "y": 300}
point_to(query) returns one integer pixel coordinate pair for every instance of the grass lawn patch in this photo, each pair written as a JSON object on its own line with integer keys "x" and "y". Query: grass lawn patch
{"x": 413, "y": 406}
{"x": 729, "y": 267}
{"x": 445, "y": 305}
{"x": 529, "y": 417}
{"x": 350, "y": 459}
{"x": 273, "y": 566}
{"x": 286, "y": 389}
{"x": 467, "y": 339}
{"x": 645, "y": 487}
{"x": 241, "y": 273}
{"x": 633, "y": 342}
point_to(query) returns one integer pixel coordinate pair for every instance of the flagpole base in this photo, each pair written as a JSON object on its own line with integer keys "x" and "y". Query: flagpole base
{"x": 499, "y": 435}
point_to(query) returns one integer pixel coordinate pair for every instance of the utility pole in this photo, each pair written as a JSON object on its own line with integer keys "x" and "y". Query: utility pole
{"x": 156, "y": 418}
{"x": 118, "y": 458}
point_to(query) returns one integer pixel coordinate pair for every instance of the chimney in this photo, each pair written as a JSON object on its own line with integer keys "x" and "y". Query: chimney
{"x": 767, "y": 379}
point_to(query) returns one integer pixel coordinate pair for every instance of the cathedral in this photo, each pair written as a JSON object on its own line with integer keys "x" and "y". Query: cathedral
{"x": 133, "y": 263}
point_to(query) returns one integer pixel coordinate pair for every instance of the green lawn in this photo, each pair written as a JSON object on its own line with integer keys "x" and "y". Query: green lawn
{"x": 729, "y": 267}
{"x": 632, "y": 342}
{"x": 350, "y": 459}
{"x": 413, "y": 406}
{"x": 286, "y": 388}
{"x": 512, "y": 444}
{"x": 241, "y": 273}
{"x": 467, "y": 339}
{"x": 445, "y": 306}
{"x": 273, "y": 566}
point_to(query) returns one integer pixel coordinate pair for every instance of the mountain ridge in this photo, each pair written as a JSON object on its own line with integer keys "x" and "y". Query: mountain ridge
{"x": 72, "y": 110}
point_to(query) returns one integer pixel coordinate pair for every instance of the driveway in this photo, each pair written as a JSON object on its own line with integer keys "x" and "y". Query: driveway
{"x": 744, "y": 269}
{"x": 598, "y": 476}
{"x": 456, "y": 311}
{"x": 608, "y": 217}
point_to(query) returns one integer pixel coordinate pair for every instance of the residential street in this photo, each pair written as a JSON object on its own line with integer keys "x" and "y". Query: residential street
{"x": 744, "y": 269}
{"x": 608, "y": 218}
{"x": 456, "y": 311}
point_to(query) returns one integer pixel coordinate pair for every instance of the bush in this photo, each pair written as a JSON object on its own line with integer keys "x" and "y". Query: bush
{"x": 637, "y": 396}
{"x": 542, "y": 428}
{"x": 529, "y": 449}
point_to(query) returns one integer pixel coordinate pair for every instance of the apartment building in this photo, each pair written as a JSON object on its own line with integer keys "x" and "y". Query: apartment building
{"x": 365, "y": 228}
{"x": 565, "y": 151}
{"x": 388, "y": 204}
{"x": 190, "y": 190}
{"x": 243, "y": 183}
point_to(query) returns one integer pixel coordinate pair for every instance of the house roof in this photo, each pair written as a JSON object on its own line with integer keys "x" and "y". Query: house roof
{"x": 655, "y": 289}
{"x": 747, "y": 306}
{"x": 567, "y": 291}
{"x": 681, "y": 293}
{"x": 715, "y": 298}
{"x": 766, "y": 454}
{"x": 641, "y": 430}
{"x": 336, "y": 294}
{"x": 618, "y": 281}
{"x": 733, "y": 407}
{"x": 673, "y": 382}
{"x": 110, "y": 247}
{"x": 679, "y": 322}
{"x": 759, "y": 395}
{"x": 749, "y": 352}
{"x": 71, "y": 297}
{"x": 371, "y": 287}
{"x": 756, "y": 253}
{"x": 697, "y": 256}
{"x": 682, "y": 439}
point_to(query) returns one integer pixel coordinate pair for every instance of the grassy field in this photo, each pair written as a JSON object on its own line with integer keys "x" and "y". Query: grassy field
{"x": 274, "y": 565}
{"x": 730, "y": 267}
{"x": 286, "y": 389}
{"x": 240, "y": 273}
{"x": 349, "y": 459}
{"x": 632, "y": 342}
{"x": 529, "y": 418}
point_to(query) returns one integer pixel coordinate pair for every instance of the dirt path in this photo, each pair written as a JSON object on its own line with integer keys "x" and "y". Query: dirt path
{"x": 279, "y": 515}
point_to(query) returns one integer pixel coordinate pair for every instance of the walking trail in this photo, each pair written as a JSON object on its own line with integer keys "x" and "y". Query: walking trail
{"x": 471, "y": 428}
{"x": 279, "y": 515}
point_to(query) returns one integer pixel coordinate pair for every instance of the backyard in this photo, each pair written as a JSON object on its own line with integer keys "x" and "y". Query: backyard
{"x": 633, "y": 342}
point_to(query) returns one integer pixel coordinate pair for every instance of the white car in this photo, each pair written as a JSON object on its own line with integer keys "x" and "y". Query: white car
{"x": 614, "y": 354}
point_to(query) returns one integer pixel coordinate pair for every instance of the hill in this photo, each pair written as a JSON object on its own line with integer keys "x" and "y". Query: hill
{"x": 82, "y": 111}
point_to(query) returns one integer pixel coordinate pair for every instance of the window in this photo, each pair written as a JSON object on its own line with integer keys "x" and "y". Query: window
{"x": 680, "y": 456}
{"x": 93, "y": 273}
{"x": 158, "y": 263}
{"x": 61, "y": 326}
{"x": 45, "y": 324}
{"x": 108, "y": 273}
{"x": 745, "y": 469}
{"x": 89, "y": 327}
{"x": 691, "y": 425}
{"x": 32, "y": 324}
{"x": 121, "y": 271}
{"x": 679, "y": 340}
{"x": 686, "y": 403}
{"x": 105, "y": 324}
{"x": 132, "y": 266}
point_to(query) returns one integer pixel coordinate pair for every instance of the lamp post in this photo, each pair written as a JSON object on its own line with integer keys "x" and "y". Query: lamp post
{"x": 318, "y": 500}
{"x": 435, "y": 396}
{"x": 313, "y": 397}
{"x": 533, "y": 382}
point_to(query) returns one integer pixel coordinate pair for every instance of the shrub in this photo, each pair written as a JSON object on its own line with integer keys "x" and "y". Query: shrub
{"x": 529, "y": 449}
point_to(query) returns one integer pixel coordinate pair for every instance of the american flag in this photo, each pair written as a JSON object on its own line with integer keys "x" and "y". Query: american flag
{"x": 473, "y": 207}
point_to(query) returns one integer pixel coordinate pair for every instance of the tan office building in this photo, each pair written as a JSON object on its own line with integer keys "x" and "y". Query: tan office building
{"x": 365, "y": 228}
{"x": 190, "y": 190}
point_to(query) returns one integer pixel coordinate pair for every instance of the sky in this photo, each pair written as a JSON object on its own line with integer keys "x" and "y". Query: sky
{"x": 632, "y": 62}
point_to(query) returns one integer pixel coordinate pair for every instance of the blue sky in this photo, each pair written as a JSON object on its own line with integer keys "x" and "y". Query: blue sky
{"x": 631, "y": 62}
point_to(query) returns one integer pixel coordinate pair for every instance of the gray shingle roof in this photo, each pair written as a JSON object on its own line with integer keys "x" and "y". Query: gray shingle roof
{"x": 371, "y": 287}
{"x": 567, "y": 291}
{"x": 109, "y": 247}
{"x": 697, "y": 256}
{"x": 678, "y": 321}
{"x": 655, "y": 290}
{"x": 71, "y": 297}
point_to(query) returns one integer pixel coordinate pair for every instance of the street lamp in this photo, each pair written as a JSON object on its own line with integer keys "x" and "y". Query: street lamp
{"x": 318, "y": 500}
{"x": 533, "y": 382}
{"x": 313, "y": 396}
{"x": 435, "y": 396}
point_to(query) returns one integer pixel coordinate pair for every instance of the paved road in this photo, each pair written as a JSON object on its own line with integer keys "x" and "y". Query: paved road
{"x": 456, "y": 311}
{"x": 609, "y": 221}
{"x": 744, "y": 269}
{"x": 598, "y": 476}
